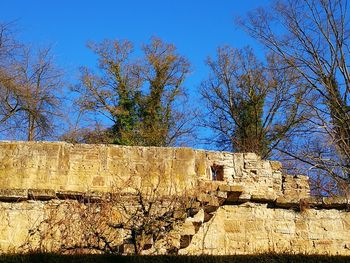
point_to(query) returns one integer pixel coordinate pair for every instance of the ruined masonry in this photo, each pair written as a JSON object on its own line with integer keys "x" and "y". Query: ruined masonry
{"x": 245, "y": 205}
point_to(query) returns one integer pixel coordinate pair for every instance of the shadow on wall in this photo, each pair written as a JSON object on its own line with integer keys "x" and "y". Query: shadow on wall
{"x": 272, "y": 258}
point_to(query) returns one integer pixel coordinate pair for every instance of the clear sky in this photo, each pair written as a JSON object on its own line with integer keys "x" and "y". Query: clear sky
{"x": 196, "y": 27}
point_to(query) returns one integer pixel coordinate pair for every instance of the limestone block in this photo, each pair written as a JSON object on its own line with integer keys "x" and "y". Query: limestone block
{"x": 281, "y": 245}
{"x": 188, "y": 228}
{"x": 173, "y": 239}
{"x": 346, "y": 222}
{"x": 204, "y": 198}
{"x": 184, "y": 154}
{"x": 252, "y": 165}
{"x": 244, "y": 197}
{"x": 236, "y": 189}
{"x": 224, "y": 187}
{"x": 233, "y": 226}
{"x": 255, "y": 225}
{"x": 198, "y": 217}
{"x": 250, "y": 156}
{"x": 238, "y": 161}
{"x": 207, "y": 185}
{"x": 221, "y": 195}
{"x": 276, "y": 166}
{"x": 266, "y": 168}
{"x": 284, "y": 202}
{"x": 284, "y": 227}
{"x": 201, "y": 164}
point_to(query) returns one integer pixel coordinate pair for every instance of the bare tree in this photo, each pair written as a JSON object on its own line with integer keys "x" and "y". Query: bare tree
{"x": 312, "y": 37}
{"x": 39, "y": 84}
{"x": 97, "y": 135}
{"x": 247, "y": 101}
{"x": 129, "y": 220}
{"x": 9, "y": 100}
{"x": 9, "y": 46}
{"x": 9, "y": 92}
{"x": 30, "y": 86}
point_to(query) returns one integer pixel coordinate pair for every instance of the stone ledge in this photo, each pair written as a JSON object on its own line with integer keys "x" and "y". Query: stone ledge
{"x": 94, "y": 196}
{"x": 335, "y": 202}
{"x": 41, "y": 194}
{"x": 314, "y": 202}
{"x": 224, "y": 195}
{"x": 283, "y": 202}
{"x": 263, "y": 198}
{"x": 338, "y": 203}
{"x": 70, "y": 195}
{"x": 13, "y": 195}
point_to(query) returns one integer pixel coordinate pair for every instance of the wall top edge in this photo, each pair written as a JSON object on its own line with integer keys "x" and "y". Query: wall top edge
{"x": 118, "y": 146}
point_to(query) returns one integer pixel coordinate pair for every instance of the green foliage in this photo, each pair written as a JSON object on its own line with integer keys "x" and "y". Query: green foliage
{"x": 250, "y": 128}
{"x": 138, "y": 95}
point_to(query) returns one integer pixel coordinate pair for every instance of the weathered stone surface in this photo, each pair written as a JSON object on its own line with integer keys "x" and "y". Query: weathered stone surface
{"x": 295, "y": 186}
{"x": 255, "y": 209}
{"x": 66, "y": 167}
{"x": 236, "y": 189}
{"x": 255, "y": 228}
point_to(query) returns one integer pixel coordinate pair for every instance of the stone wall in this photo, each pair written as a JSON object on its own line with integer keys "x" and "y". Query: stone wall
{"x": 253, "y": 228}
{"x": 81, "y": 167}
{"x": 254, "y": 209}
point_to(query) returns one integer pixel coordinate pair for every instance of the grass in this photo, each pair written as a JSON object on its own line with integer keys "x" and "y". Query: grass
{"x": 263, "y": 258}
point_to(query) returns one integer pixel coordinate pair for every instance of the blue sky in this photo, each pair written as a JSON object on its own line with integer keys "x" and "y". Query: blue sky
{"x": 196, "y": 27}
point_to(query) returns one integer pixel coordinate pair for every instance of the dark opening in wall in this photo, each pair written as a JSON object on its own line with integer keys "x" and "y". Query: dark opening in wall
{"x": 217, "y": 172}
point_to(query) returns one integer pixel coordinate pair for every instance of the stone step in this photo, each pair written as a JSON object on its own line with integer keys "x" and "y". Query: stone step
{"x": 189, "y": 228}
{"x": 210, "y": 208}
